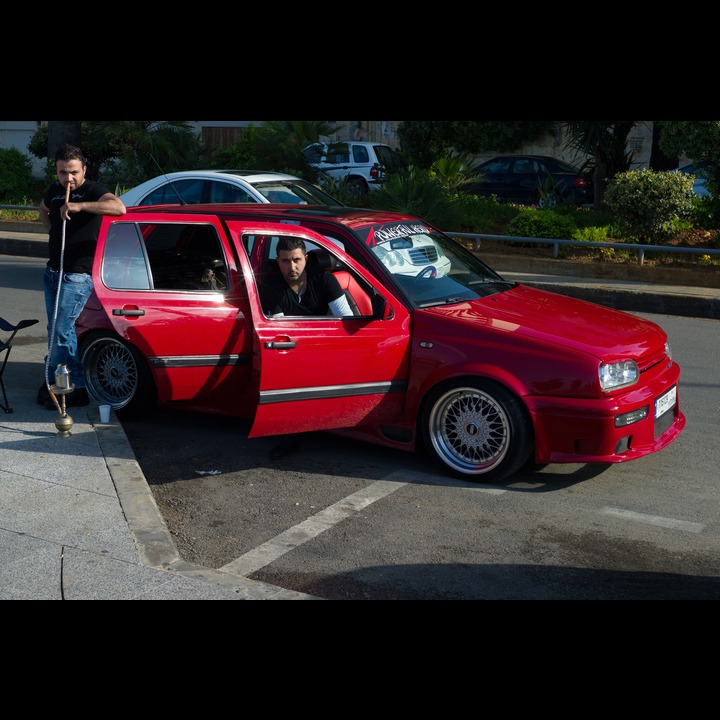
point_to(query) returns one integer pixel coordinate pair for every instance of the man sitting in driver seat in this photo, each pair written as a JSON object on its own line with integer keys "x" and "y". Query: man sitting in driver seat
{"x": 299, "y": 290}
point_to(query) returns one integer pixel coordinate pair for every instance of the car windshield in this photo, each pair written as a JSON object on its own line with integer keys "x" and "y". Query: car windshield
{"x": 299, "y": 193}
{"x": 430, "y": 268}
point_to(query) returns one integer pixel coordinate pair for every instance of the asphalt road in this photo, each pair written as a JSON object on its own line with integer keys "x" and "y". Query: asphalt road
{"x": 345, "y": 520}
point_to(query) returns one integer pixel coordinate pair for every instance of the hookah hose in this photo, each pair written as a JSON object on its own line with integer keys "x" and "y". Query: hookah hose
{"x": 57, "y": 301}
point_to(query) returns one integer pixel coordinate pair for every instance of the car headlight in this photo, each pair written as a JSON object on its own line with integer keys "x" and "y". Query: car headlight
{"x": 618, "y": 374}
{"x": 393, "y": 258}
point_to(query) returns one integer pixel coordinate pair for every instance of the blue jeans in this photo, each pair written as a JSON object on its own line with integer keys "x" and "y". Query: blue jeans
{"x": 75, "y": 290}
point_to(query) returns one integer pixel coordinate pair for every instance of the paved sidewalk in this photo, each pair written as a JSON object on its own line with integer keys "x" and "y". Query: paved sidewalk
{"x": 78, "y": 520}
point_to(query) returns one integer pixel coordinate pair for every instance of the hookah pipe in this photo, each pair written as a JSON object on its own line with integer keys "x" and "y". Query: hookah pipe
{"x": 62, "y": 380}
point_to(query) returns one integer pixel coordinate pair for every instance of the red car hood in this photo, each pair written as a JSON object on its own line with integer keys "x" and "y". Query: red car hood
{"x": 562, "y": 320}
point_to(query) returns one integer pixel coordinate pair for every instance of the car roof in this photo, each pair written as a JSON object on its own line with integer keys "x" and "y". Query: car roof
{"x": 563, "y": 165}
{"x": 349, "y": 142}
{"x": 250, "y": 175}
{"x": 349, "y": 217}
{"x": 252, "y": 180}
{"x": 549, "y": 158}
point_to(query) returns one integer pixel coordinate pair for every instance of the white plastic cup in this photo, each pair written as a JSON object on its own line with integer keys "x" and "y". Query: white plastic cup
{"x": 104, "y": 413}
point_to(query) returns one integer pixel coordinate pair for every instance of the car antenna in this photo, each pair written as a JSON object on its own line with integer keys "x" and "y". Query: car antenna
{"x": 182, "y": 202}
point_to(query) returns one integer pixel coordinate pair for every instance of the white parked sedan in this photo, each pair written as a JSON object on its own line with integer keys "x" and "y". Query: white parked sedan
{"x": 190, "y": 187}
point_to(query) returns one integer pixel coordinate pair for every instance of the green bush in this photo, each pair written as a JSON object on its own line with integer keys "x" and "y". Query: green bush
{"x": 414, "y": 191}
{"x": 484, "y": 214}
{"x": 595, "y": 234}
{"x": 650, "y": 205}
{"x": 16, "y": 179}
{"x": 707, "y": 212}
{"x": 542, "y": 224}
{"x": 591, "y": 234}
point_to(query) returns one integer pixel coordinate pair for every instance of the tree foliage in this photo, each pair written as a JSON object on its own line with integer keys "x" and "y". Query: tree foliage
{"x": 128, "y": 151}
{"x": 276, "y": 145}
{"x": 605, "y": 141}
{"x": 698, "y": 140}
{"x": 17, "y": 183}
{"x": 416, "y": 191}
{"x": 423, "y": 141}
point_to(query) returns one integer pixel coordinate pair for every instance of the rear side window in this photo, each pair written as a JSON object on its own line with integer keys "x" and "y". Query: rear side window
{"x": 187, "y": 191}
{"x": 314, "y": 153}
{"x": 501, "y": 165}
{"x": 167, "y": 256}
{"x": 125, "y": 265}
{"x": 360, "y": 154}
{"x": 225, "y": 192}
{"x": 390, "y": 158}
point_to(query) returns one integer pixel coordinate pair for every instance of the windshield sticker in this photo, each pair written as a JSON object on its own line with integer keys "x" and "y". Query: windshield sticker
{"x": 385, "y": 233}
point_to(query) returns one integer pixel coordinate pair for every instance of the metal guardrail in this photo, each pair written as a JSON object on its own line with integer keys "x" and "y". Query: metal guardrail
{"x": 477, "y": 238}
{"x": 640, "y": 249}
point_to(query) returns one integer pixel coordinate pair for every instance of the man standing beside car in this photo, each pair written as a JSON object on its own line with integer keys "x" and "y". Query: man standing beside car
{"x": 71, "y": 210}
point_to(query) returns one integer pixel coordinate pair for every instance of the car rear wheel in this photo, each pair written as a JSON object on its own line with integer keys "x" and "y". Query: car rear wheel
{"x": 116, "y": 374}
{"x": 356, "y": 188}
{"x": 477, "y": 429}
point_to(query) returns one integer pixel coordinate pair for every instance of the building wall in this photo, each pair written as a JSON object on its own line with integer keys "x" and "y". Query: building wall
{"x": 17, "y": 134}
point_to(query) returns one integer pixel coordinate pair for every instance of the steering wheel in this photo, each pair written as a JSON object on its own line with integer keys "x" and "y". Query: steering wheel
{"x": 427, "y": 273}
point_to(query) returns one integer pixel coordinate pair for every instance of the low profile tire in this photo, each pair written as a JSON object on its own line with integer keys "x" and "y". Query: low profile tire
{"x": 116, "y": 374}
{"x": 477, "y": 429}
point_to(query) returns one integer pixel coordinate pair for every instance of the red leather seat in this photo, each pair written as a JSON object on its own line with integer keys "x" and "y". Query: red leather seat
{"x": 357, "y": 298}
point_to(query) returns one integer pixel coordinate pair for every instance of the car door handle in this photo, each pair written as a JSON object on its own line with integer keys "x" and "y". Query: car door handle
{"x": 129, "y": 313}
{"x": 280, "y": 345}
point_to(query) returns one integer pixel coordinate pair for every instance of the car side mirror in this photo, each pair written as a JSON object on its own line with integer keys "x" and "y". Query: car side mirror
{"x": 380, "y": 307}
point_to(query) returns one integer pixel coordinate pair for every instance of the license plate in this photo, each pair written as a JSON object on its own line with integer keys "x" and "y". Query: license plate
{"x": 665, "y": 402}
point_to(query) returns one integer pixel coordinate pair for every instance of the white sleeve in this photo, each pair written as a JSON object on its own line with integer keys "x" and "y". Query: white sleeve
{"x": 340, "y": 306}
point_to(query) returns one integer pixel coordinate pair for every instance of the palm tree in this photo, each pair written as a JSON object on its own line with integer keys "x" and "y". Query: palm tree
{"x": 60, "y": 132}
{"x": 606, "y": 142}
{"x": 279, "y": 144}
{"x": 141, "y": 149}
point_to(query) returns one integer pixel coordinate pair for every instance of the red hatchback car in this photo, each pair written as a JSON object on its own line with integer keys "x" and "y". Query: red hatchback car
{"x": 483, "y": 374}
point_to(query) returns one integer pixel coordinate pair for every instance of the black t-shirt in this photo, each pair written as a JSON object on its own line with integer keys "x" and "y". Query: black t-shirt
{"x": 81, "y": 230}
{"x": 278, "y": 297}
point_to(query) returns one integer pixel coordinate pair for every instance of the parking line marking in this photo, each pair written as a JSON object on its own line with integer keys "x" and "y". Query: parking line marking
{"x": 656, "y": 520}
{"x": 312, "y": 527}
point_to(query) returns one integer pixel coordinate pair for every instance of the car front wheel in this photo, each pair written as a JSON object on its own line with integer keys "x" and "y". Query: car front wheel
{"x": 477, "y": 429}
{"x": 116, "y": 374}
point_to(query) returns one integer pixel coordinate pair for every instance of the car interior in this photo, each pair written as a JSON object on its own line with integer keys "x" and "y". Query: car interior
{"x": 319, "y": 257}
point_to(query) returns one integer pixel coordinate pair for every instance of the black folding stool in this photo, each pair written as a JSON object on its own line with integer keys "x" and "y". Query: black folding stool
{"x": 6, "y": 347}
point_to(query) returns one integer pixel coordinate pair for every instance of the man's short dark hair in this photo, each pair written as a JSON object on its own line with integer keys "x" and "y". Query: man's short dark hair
{"x": 291, "y": 243}
{"x": 69, "y": 152}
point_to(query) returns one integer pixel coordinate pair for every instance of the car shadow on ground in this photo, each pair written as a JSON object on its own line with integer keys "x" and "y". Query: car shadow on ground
{"x": 177, "y": 445}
